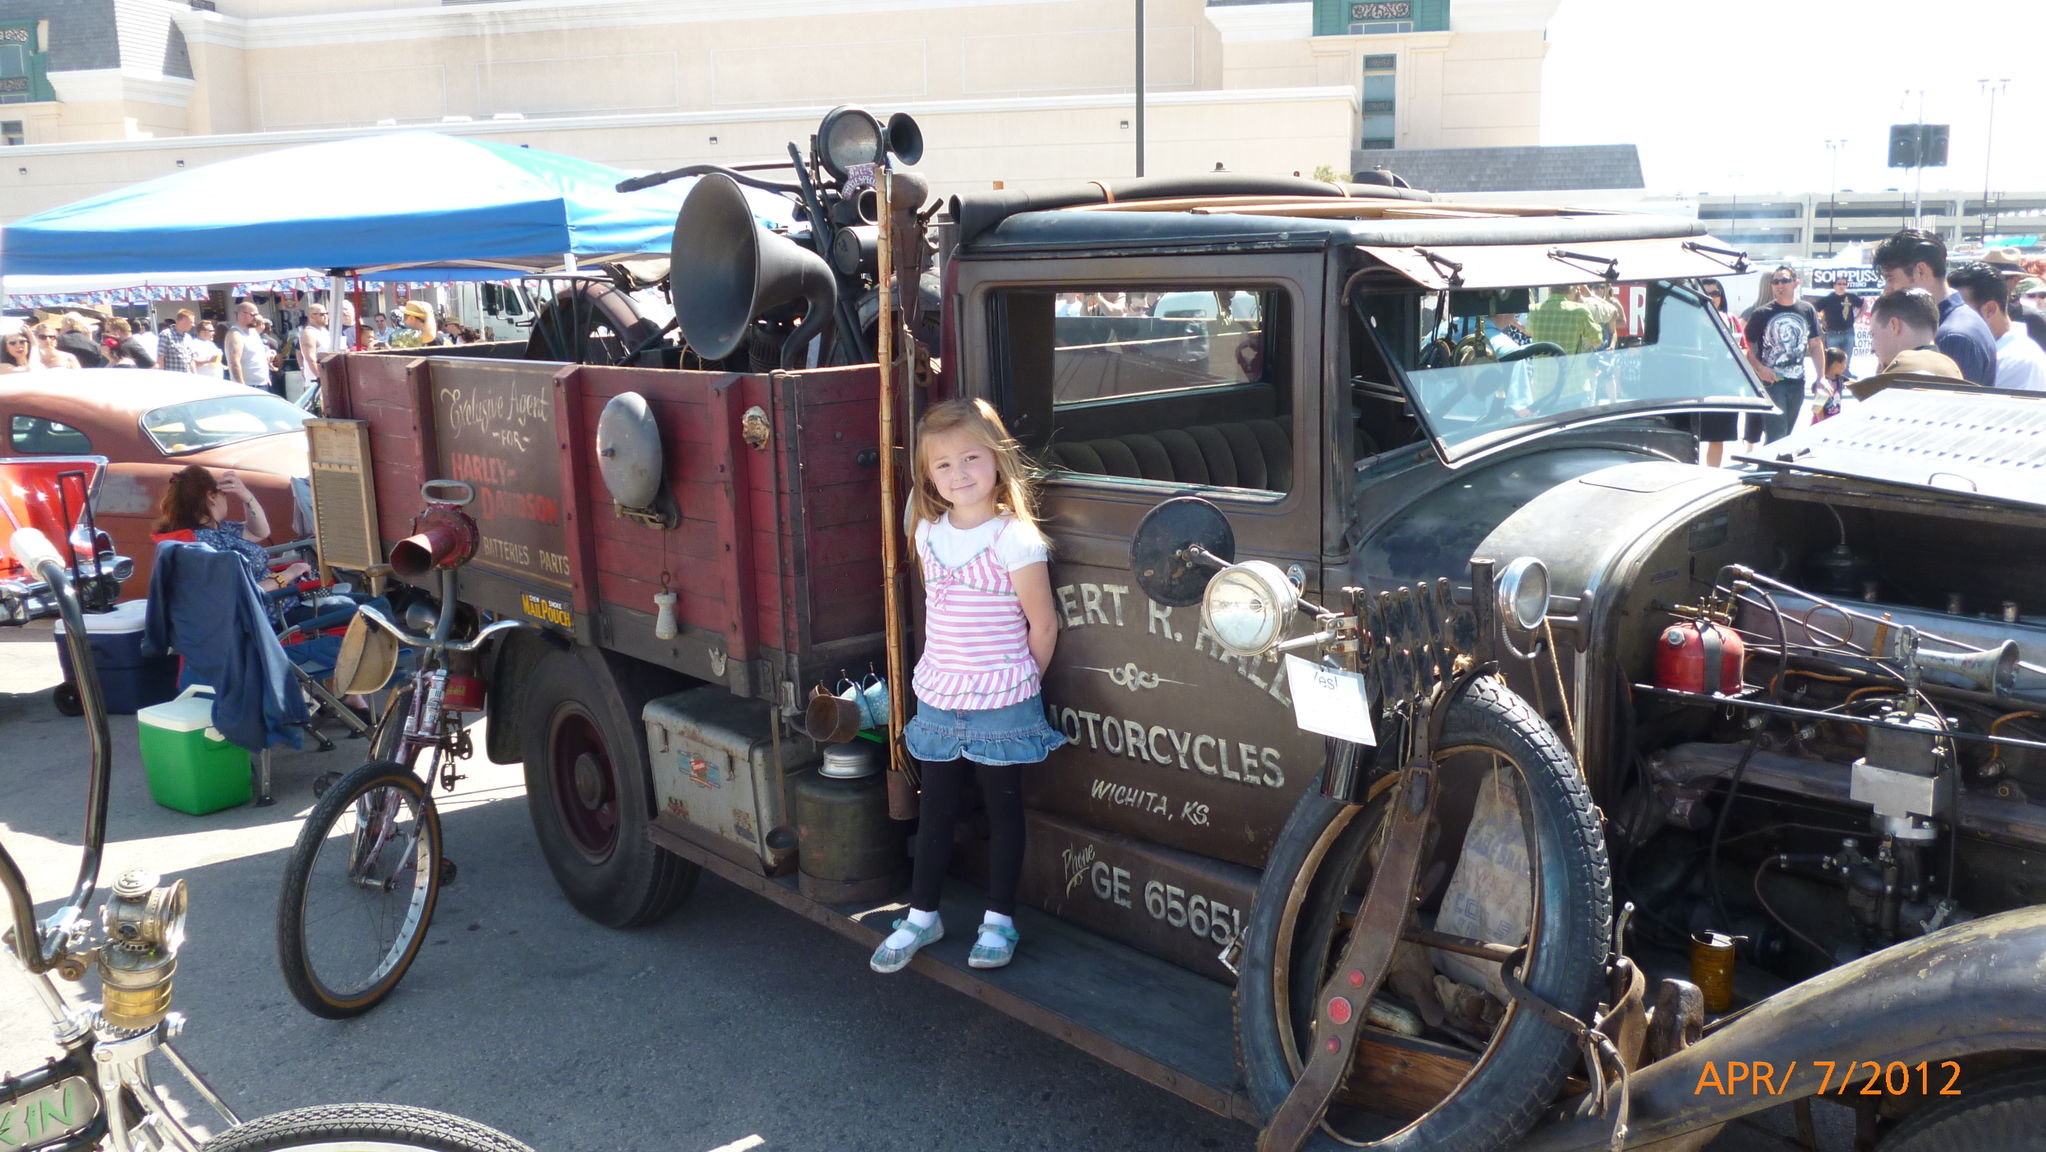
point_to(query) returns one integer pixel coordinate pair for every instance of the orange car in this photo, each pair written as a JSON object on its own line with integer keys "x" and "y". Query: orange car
{"x": 148, "y": 424}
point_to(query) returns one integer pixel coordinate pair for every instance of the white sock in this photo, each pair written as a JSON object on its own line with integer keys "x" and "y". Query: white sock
{"x": 997, "y": 920}
{"x": 912, "y": 924}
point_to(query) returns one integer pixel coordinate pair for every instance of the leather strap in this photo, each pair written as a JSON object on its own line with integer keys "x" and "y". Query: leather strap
{"x": 1339, "y": 1013}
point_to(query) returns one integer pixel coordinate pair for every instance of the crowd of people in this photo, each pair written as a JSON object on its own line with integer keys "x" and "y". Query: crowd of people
{"x": 1980, "y": 321}
{"x": 246, "y": 347}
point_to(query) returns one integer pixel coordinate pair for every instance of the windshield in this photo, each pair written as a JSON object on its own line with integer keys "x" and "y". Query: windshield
{"x": 217, "y": 420}
{"x": 1483, "y": 367}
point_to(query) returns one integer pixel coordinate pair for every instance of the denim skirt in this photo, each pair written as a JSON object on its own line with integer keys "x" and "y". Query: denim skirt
{"x": 1015, "y": 734}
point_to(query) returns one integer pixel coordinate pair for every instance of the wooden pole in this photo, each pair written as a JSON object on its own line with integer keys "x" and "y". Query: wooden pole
{"x": 901, "y": 791}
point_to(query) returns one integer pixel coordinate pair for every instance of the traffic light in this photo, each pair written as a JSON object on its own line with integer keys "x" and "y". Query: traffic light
{"x": 1903, "y": 145}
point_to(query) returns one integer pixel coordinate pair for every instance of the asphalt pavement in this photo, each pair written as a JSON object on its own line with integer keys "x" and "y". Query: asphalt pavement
{"x": 731, "y": 1026}
{"x": 733, "y": 1023}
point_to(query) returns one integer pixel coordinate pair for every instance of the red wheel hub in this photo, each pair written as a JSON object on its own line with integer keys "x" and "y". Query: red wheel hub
{"x": 585, "y": 786}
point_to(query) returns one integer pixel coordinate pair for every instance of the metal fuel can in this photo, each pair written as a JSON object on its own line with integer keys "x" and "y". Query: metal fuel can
{"x": 1712, "y": 969}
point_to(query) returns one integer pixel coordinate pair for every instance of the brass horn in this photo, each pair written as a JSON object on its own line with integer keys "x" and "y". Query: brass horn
{"x": 726, "y": 270}
{"x": 1992, "y": 670}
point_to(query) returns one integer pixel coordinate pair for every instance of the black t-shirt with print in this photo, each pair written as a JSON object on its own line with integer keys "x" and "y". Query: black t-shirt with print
{"x": 1779, "y": 333}
{"x": 1838, "y": 310}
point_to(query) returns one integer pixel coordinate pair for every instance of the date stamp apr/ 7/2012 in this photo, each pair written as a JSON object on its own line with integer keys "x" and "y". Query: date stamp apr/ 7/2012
{"x": 1837, "y": 1077}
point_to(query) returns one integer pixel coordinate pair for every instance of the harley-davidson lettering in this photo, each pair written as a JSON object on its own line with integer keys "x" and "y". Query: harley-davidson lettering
{"x": 1084, "y": 605}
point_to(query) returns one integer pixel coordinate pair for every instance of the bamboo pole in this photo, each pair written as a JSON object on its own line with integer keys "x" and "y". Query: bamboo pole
{"x": 901, "y": 786}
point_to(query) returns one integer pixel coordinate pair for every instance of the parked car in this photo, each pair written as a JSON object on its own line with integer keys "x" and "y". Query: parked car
{"x": 148, "y": 424}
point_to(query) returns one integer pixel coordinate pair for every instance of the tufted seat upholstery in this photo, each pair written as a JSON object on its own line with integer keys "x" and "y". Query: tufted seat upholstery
{"x": 1250, "y": 454}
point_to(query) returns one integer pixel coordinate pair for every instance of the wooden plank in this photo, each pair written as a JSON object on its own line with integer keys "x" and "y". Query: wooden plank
{"x": 734, "y": 517}
{"x": 574, "y": 441}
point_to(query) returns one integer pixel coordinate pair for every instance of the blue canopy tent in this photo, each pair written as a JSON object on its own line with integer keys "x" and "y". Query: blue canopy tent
{"x": 433, "y": 207}
{"x": 361, "y": 205}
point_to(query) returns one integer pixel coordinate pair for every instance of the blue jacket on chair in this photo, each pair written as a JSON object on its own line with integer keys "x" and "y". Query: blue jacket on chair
{"x": 204, "y": 606}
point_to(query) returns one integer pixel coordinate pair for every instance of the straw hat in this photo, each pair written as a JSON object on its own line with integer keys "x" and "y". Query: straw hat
{"x": 418, "y": 310}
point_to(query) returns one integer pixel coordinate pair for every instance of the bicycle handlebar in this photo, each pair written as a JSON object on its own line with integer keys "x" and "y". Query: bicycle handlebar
{"x": 415, "y": 640}
{"x": 40, "y": 951}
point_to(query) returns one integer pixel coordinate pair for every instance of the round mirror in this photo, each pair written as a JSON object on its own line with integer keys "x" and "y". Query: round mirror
{"x": 1164, "y": 534}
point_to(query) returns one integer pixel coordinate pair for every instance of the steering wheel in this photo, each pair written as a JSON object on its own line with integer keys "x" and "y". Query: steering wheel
{"x": 1538, "y": 348}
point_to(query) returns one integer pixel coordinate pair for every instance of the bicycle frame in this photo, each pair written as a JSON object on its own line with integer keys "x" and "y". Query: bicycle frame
{"x": 104, "y": 1045}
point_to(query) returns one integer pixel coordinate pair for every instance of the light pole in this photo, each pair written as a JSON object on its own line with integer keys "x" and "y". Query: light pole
{"x": 1140, "y": 87}
{"x": 1993, "y": 88}
{"x": 1833, "y": 199}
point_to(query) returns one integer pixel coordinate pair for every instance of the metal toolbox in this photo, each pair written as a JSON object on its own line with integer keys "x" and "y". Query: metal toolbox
{"x": 721, "y": 779}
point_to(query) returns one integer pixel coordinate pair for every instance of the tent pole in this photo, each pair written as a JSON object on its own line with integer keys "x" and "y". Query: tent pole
{"x": 337, "y": 290}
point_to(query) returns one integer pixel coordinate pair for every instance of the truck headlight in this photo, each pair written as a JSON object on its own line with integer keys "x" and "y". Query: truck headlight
{"x": 1246, "y": 605}
{"x": 1523, "y": 591}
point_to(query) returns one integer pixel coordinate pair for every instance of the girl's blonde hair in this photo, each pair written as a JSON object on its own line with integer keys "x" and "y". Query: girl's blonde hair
{"x": 1015, "y": 483}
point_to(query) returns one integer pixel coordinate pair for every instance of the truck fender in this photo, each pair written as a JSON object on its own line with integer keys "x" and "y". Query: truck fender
{"x": 1964, "y": 991}
{"x": 505, "y": 665}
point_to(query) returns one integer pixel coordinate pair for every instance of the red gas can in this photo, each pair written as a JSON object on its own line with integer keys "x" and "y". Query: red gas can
{"x": 1689, "y": 647}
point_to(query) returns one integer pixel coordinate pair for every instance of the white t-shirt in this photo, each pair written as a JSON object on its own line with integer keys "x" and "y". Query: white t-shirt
{"x": 1019, "y": 546}
{"x": 2020, "y": 362}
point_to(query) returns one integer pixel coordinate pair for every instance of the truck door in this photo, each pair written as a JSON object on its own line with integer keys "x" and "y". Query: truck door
{"x": 1131, "y": 381}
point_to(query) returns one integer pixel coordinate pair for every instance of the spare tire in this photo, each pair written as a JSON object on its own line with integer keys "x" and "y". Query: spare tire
{"x": 589, "y": 322}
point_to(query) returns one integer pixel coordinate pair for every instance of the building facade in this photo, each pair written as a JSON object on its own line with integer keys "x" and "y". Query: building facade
{"x": 1816, "y": 226}
{"x": 95, "y": 94}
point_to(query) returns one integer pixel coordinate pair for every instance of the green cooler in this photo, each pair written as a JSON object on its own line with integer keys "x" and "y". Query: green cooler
{"x": 189, "y": 767}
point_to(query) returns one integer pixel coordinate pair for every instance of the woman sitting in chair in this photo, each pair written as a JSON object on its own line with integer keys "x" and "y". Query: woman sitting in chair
{"x": 195, "y": 503}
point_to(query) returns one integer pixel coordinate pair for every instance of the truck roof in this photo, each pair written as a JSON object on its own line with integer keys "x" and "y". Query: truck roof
{"x": 1435, "y": 244}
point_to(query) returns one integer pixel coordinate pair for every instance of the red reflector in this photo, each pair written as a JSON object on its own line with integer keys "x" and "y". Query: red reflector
{"x": 1356, "y": 979}
{"x": 1339, "y": 1010}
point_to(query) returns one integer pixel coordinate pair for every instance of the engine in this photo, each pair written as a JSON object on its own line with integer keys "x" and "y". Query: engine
{"x": 1868, "y": 779}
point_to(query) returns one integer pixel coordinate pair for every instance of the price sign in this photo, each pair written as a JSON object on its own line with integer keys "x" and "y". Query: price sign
{"x": 1330, "y": 701}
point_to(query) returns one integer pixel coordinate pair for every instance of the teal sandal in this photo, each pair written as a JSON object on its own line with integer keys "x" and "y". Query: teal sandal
{"x": 888, "y": 959}
{"x": 995, "y": 948}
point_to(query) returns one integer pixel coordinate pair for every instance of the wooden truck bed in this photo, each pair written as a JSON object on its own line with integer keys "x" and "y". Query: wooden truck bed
{"x": 776, "y": 560}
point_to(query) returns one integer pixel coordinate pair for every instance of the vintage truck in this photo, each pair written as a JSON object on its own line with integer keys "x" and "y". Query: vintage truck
{"x": 1802, "y": 696}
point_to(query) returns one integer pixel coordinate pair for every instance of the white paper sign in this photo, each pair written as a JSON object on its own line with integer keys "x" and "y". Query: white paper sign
{"x": 1330, "y": 701}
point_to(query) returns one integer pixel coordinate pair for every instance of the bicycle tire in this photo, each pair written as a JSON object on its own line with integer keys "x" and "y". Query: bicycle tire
{"x": 1302, "y": 896}
{"x": 329, "y": 903}
{"x": 363, "y": 1128}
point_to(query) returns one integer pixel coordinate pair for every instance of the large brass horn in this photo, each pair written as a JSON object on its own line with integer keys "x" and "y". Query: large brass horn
{"x": 726, "y": 270}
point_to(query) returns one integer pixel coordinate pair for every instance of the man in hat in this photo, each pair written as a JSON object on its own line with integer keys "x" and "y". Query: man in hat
{"x": 2008, "y": 262}
{"x": 421, "y": 329}
{"x": 1915, "y": 258}
{"x": 2020, "y": 364}
{"x": 1837, "y": 311}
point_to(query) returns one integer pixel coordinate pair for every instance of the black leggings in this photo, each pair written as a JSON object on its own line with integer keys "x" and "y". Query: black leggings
{"x": 944, "y": 784}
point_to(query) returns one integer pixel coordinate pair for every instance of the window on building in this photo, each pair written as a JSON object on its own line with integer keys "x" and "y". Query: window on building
{"x": 11, "y": 133}
{"x": 1381, "y": 101}
{"x": 1381, "y": 27}
{"x": 22, "y": 68}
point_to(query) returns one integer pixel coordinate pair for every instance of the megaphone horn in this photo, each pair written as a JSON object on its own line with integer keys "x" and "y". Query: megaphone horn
{"x": 1990, "y": 670}
{"x": 725, "y": 270}
{"x": 905, "y": 139}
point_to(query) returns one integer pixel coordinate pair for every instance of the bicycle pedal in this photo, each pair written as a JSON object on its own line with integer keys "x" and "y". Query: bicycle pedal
{"x": 324, "y": 781}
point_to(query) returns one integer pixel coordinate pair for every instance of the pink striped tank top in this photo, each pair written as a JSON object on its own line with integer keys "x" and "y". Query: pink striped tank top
{"x": 976, "y": 638}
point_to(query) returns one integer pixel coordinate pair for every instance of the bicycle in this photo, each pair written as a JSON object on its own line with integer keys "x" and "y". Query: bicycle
{"x": 100, "y": 1093}
{"x": 364, "y": 876}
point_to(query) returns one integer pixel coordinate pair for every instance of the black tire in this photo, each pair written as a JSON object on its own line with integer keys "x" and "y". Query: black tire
{"x": 64, "y": 697}
{"x": 347, "y": 929}
{"x": 589, "y": 323}
{"x": 590, "y": 791}
{"x": 1296, "y": 925}
{"x": 363, "y": 1128}
{"x": 2006, "y": 1110}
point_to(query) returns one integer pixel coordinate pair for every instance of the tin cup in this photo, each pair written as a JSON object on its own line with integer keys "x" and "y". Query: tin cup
{"x": 874, "y": 701}
{"x": 1712, "y": 969}
{"x": 831, "y": 719}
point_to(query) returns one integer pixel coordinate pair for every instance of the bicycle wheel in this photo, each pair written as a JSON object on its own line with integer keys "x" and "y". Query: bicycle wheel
{"x": 362, "y": 1128}
{"x": 1560, "y": 902}
{"x": 359, "y": 890}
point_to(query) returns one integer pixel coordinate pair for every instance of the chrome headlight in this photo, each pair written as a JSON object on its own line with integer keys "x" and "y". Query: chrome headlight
{"x": 1523, "y": 591}
{"x": 1246, "y": 605}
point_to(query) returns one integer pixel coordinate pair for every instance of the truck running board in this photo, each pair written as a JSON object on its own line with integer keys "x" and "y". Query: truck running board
{"x": 1152, "y": 1019}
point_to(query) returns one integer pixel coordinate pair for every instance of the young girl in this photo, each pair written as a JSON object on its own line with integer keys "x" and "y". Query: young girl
{"x": 989, "y": 629}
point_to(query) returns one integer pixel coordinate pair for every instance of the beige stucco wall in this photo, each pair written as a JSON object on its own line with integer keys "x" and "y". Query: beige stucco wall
{"x": 971, "y": 143}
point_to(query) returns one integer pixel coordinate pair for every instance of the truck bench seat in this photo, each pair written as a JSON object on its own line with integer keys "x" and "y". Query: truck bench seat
{"x": 1249, "y": 454}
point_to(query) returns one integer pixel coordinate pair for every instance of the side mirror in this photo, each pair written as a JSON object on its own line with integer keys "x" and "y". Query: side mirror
{"x": 1177, "y": 546}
